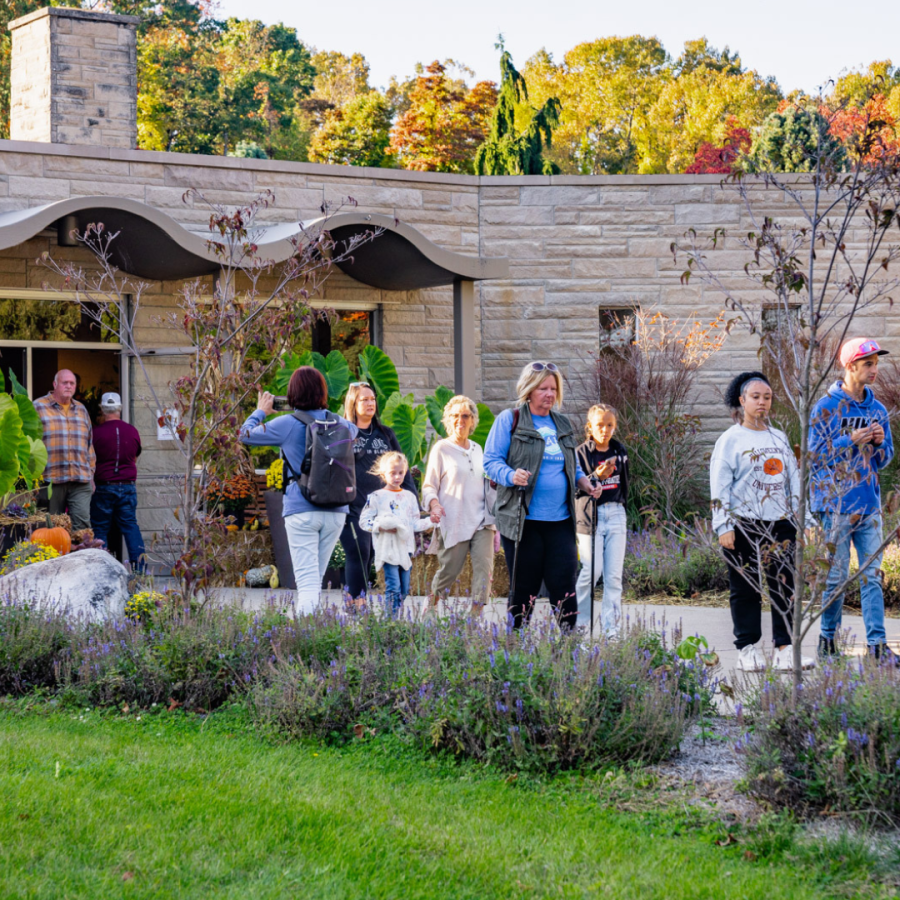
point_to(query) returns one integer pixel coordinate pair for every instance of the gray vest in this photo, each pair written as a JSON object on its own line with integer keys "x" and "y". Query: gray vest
{"x": 526, "y": 451}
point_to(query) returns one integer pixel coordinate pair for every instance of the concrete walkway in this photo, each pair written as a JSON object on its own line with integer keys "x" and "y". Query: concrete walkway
{"x": 713, "y": 623}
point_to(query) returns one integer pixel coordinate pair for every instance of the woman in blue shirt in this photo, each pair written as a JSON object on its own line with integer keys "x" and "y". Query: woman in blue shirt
{"x": 530, "y": 454}
{"x": 312, "y": 531}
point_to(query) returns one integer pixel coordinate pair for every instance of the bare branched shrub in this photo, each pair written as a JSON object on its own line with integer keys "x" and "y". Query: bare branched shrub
{"x": 231, "y": 334}
{"x": 652, "y": 381}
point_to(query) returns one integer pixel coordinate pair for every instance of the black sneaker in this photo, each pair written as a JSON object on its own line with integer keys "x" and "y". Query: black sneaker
{"x": 826, "y": 649}
{"x": 883, "y": 653}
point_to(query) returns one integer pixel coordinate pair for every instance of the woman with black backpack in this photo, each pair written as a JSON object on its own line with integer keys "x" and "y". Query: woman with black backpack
{"x": 316, "y": 502}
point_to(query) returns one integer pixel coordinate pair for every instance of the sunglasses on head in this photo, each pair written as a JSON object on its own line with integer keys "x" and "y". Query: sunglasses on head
{"x": 360, "y": 384}
{"x": 541, "y": 366}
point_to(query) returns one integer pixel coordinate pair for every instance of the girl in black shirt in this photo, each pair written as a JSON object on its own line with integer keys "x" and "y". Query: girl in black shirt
{"x": 606, "y": 461}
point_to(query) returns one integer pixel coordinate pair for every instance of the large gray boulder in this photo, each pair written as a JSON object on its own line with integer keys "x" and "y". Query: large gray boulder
{"x": 90, "y": 583}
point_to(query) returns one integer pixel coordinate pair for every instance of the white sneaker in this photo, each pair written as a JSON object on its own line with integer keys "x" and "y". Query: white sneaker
{"x": 783, "y": 660}
{"x": 751, "y": 659}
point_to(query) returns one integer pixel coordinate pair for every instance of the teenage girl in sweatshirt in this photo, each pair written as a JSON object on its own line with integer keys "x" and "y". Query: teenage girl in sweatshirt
{"x": 755, "y": 488}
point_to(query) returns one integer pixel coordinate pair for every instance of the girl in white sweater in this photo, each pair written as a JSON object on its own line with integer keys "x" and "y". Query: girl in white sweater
{"x": 392, "y": 516}
{"x": 755, "y": 488}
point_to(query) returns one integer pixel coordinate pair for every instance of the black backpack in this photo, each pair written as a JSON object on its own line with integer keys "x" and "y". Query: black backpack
{"x": 328, "y": 474}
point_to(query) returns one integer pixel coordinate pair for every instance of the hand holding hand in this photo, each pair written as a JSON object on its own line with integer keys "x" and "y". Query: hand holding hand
{"x": 726, "y": 540}
{"x": 436, "y": 510}
{"x": 265, "y": 403}
{"x": 520, "y": 478}
{"x": 863, "y": 436}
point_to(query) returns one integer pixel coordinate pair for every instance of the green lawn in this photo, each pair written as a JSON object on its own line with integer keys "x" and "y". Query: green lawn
{"x": 95, "y": 806}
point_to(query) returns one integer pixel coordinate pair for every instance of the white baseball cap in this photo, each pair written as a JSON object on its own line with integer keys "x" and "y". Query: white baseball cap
{"x": 111, "y": 401}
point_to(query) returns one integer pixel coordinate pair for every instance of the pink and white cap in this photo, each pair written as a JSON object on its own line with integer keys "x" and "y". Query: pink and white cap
{"x": 858, "y": 348}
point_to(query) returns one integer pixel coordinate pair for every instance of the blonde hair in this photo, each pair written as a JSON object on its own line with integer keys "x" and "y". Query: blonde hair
{"x": 530, "y": 379}
{"x": 597, "y": 410}
{"x": 385, "y": 461}
{"x": 453, "y": 403}
{"x": 352, "y": 396}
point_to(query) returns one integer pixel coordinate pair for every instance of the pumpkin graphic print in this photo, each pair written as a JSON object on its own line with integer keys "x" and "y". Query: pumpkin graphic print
{"x": 773, "y": 466}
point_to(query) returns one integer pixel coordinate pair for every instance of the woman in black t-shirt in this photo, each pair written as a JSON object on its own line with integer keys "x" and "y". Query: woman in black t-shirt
{"x": 374, "y": 439}
{"x": 606, "y": 462}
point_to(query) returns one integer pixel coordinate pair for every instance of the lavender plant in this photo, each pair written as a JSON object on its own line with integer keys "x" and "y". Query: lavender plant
{"x": 835, "y": 746}
{"x": 534, "y": 700}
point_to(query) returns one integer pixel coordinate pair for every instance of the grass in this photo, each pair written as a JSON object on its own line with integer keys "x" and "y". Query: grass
{"x": 96, "y": 805}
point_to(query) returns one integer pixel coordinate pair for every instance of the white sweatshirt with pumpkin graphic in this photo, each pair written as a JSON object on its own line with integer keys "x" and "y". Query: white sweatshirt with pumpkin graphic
{"x": 752, "y": 475}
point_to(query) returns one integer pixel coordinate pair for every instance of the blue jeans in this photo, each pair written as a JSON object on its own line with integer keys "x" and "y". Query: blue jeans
{"x": 609, "y": 550}
{"x": 396, "y": 586}
{"x": 118, "y": 502}
{"x": 866, "y": 538}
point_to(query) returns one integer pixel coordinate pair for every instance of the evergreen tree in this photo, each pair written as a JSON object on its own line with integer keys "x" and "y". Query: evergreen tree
{"x": 795, "y": 140}
{"x": 505, "y": 152}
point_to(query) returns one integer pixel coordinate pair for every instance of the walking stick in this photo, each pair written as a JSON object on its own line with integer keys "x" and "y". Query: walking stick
{"x": 593, "y": 554}
{"x": 362, "y": 562}
{"x": 515, "y": 565}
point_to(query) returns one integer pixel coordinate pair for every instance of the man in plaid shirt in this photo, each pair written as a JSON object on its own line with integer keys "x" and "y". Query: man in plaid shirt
{"x": 70, "y": 450}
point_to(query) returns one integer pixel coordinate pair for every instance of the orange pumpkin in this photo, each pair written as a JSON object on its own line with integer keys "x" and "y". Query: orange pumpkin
{"x": 57, "y": 538}
{"x": 773, "y": 466}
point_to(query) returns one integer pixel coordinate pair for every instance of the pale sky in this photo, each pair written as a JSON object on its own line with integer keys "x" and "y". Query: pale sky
{"x": 801, "y": 42}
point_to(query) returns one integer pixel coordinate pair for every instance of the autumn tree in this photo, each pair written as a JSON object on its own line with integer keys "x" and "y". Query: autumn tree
{"x": 710, "y": 159}
{"x": 605, "y": 88}
{"x": 205, "y": 85}
{"x": 695, "y": 107}
{"x": 358, "y": 133}
{"x": 508, "y": 151}
{"x": 445, "y": 122}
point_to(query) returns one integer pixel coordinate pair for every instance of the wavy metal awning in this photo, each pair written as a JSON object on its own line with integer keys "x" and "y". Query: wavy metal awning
{"x": 152, "y": 245}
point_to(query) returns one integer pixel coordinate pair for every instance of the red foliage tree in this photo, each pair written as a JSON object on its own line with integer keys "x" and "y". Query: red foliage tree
{"x": 712, "y": 160}
{"x": 868, "y": 132}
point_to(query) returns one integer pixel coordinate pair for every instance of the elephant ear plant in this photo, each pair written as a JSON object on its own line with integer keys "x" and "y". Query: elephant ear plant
{"x": 23, "y": 456}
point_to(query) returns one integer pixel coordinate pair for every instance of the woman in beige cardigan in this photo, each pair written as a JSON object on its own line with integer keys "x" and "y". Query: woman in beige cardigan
{"x": 456, "y": 489}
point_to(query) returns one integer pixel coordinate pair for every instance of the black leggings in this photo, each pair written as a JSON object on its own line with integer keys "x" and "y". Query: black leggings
{"x": 548, "y": 554}
{"x": 358, "y": 552}
{"x": 776, "y": 541}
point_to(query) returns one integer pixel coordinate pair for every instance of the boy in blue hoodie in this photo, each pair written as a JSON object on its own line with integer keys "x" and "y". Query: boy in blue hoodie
{"x": 850, "y": 442}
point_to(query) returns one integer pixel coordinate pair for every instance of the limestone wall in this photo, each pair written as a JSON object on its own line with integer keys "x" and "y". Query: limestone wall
{"x": 576, "y": 245}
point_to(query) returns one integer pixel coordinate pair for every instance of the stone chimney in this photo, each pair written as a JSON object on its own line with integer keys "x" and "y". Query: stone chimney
{"x": 74, "y": 78}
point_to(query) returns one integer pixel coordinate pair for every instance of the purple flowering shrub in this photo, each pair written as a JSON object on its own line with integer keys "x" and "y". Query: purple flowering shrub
{"x": 680, "y": 563}
{"x": 535, "y": 699}
{"x": 32, "y": 643}
{"x": 837, "y": 748}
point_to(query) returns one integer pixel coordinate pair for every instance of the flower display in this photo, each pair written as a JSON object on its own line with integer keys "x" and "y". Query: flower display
{"x": 275, "y": 475}
{"x": 24, "y": 554}
{"x": 231, "y": 494}
{"x": 142, "y": 605}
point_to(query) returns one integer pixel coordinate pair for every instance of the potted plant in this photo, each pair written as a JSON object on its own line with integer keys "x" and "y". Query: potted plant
{"x": 274, "y": 498}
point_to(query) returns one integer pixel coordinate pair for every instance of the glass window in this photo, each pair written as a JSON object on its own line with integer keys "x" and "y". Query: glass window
{"x": 617, "y": 326}
{"x": 49, "y": 320}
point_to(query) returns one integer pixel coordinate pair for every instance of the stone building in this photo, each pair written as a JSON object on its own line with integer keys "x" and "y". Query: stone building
{"x": 472, "y": 278}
